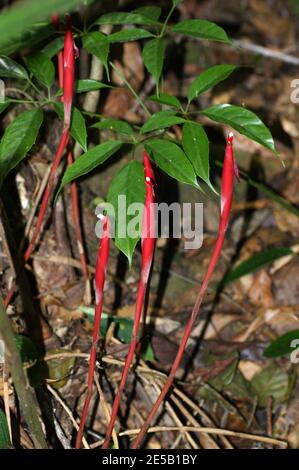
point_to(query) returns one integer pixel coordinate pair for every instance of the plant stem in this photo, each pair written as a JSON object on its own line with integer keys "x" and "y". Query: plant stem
{"x": 166, "y": 21}
{"x": 229, "y": 170}
{"x": 138, "y": 99}
{"x": 26, "y": 397}
{"x": 147, "y": 248}
{"x": 101, "y": 267}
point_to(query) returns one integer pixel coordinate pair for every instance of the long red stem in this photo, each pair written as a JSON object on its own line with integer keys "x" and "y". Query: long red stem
{"x": 44, "y": 204}
{"x": 229, "y": 170}
{"x": 101, "y": 268}
{"x": 66, "y": 78}
{"x": 148, "y": 247}
{"x": 74, "y": 187}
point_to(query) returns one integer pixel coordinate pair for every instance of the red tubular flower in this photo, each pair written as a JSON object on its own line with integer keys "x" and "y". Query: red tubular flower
{"x": 228, "y": 172}
{"x": 148, "y": 248}
{"x": 68, "y": 74}
{"x": 67, "y": 79}
{"x": 101, "y": 268}
{"x": 74, "y": 188}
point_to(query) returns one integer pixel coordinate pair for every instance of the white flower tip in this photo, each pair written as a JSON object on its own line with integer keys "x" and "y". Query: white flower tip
{"x": 101, "y": 216}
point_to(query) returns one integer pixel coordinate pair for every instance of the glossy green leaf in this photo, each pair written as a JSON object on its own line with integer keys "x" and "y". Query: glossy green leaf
{"x": 164, "y": 98}
{"x": 243, "y": 121}
{"x": 283, "y": 345}
{"x": 89, "y": 161}
{"x": 153, "y": 57}
{"x": 271, "y": 382}
{"x": 202, "y": 29}
{"x": 126, "y": 35}
{"x": 208, "y": 79}
{"x": 254, "y": 263}
{"x": 30, "y": 39}
{"x": 116, "y": 125}
{"x": 120, "y": 17}
{"x": 161, "y": 120}
{"x": 172, "y": 160}
{"x": 150, "y": 11}
{"x": 78, "y": 126}
{"x": 82, "y": 86}
{"x": 4, "y": 432}
{"x": 18, "y": 139}
{"x": 11, "y": 69}
{"x": 128, "y": 183}
{"x": 23, "y": 15}
{"x": 97, "y": 43}
{"x": 53, "y": 47}
{"x": 42, "y": 68}
{"x": 196, "y": 146}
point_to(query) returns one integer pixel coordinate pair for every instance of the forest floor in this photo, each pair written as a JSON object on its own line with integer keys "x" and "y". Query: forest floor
{"x": 225, "y": 381}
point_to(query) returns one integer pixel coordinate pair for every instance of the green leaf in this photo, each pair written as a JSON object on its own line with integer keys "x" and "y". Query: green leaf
{"x": 243, "y": 121}
{"x": 89, "y": 161}
{"x": 164, "y": 98}
{"x": 27, "y": 349}
{"x": 30, "y": 358}
{"x": 254, "y": 263}
{"x": 82, "y": 86}
{"x": 153, "y": 57}
{"x": 59, "y": 370}
{"x": 176, "y": 2}
{"x": 4, "y": 432}
{"x": 120, "y": 17}
{"x": 22, "y": 16}
{"x": 128, "y": 182}
{"x": 172, "y": 160}
{"x": 97, "y": 43}
{"x": 201, "y": 29}
{"x": 151, "y": 11}
{"x": 123, "y": 331}
{"x": 42, "y": 68}
{"x": 78, "y": 126}
{"x": 196, "y": 146}
{"x": 208, "y": 79}
{"x": 282, "y": 345}
{"x": 116, "y": 125}
{"x": 271, "y": 382}
{"x": 18, "y": 139}
{"x": 126, "y": 35}
{"x": 53, "y": 47}
{"x": 11, "y": 69}
{"x": 161, "y": 120}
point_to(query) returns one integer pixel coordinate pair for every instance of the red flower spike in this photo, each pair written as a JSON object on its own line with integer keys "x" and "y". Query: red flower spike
{"x": 66, "y": 78}
{"x": 68, "y": 74}
{"x": 229, "y": 170}
{"x": 147, "y": 247}
{"x": 101, "y": 268}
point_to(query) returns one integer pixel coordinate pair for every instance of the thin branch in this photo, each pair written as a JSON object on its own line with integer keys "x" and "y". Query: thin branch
{"x": 28, "y": 402}
{"x": 223, "y": 432}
